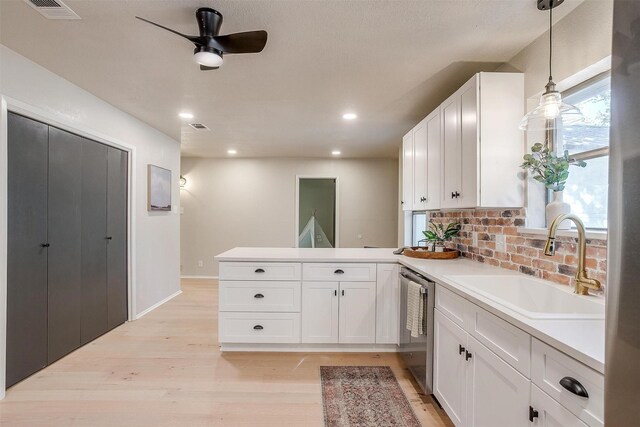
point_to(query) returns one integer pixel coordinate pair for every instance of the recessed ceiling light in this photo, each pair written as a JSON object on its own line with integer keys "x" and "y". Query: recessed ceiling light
{"x": 232, "y": 152}
{"x": 186, "y": 115}
{"x": 336, "y": 152}
{"x": 349, "y": 116}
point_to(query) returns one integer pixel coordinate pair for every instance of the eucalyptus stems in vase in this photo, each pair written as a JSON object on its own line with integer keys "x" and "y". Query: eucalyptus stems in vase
{"x": 553, "y": 171}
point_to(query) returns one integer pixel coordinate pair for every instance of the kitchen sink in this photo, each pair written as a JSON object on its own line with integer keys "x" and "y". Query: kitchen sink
{"x": 533, "y": 298}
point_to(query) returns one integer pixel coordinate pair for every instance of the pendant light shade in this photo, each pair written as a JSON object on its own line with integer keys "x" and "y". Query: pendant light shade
{"x": 551, "y": 113}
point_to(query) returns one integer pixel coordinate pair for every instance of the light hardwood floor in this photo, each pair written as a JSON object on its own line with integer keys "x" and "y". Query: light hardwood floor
{"x": 166, "y": 370}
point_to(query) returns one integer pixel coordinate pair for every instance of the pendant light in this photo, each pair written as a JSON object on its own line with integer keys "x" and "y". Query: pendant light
{"x": 552, "y": 113}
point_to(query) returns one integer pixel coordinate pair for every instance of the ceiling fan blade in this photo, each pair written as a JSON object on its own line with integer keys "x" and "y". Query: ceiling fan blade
{"x": 193, "y": 39}
{"x": 205, "y": 68}
{"x": 247, "y": 42}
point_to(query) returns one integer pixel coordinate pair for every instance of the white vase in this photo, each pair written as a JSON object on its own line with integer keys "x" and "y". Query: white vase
{"x": 557, "y": 207}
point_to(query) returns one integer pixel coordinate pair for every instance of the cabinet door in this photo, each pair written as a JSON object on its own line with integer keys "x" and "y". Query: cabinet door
{"x": 449, "y": 367}
{"x": 65, "y": 253}
{"x": 26, "y": 258}
{"x": 94, "y": 244}
{"x": 407, "y": 172}
{"x": 451, "y": 152}
{"x": 357, "y": 312}
{"x": 434, "y": 157}
{"x": 117, "y": 237}
{"x": 469, "y": 157}
{"x": 420, "y": 166}
{"x": 387, "y": 304}
{"x": 550, "y": 413}
{"x": 497, "y": 394}
{"x": 319, "y": 312}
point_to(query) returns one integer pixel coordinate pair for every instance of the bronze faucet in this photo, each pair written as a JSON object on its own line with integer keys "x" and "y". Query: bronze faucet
{"x": 583, "y": 283}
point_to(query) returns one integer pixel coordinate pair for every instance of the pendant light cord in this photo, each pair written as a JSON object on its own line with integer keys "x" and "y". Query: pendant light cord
{"x": 550, "y": 37}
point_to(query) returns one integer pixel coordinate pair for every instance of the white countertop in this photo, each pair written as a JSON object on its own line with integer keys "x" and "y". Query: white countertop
{"x": 583, "y": 340}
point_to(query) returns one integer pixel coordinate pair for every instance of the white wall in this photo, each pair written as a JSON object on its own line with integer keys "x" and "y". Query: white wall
{"x": 251, "y": 202}
{"x": 156, "y": 244}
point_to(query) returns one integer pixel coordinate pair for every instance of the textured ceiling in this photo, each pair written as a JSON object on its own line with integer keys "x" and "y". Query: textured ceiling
{"x": 390, "y": 61}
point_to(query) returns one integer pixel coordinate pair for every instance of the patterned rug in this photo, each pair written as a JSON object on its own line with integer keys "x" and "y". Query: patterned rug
{"x": 364, "y": 396}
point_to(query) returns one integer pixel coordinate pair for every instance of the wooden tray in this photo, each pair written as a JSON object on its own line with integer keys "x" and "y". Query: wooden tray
{"x": 416, "y": 252}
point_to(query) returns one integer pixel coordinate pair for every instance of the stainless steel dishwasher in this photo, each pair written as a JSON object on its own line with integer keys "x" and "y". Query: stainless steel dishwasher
{"x": 417, "y": 353}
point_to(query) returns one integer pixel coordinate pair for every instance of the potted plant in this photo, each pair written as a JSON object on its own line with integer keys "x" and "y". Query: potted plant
{"x": 438, "y": 234}
{"x": 552, "y": 171}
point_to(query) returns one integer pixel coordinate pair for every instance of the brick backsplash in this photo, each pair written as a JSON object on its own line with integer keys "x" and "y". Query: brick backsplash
{"x": 524, "y": 252}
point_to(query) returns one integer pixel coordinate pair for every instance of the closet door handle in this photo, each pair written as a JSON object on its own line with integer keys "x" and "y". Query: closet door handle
{"x": 258, "y": 296}
{"x": 44, "y": 245}
{"x": 258, "y": 327}
{"x": 339, "y": 271}
{"x": 574, "y": 386}
{"x": 259, "y": 270}
{"x": 460, "y": 349}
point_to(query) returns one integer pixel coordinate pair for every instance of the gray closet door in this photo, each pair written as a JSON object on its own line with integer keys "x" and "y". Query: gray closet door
{"x": 65, "y": 197}
{"x": 94, "y": 247}
{"x": 26, "y": 257}
{"x": 117, "y": 237}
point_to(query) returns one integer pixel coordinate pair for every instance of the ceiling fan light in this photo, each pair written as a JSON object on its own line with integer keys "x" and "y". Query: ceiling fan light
{"x": 208, "y": 59}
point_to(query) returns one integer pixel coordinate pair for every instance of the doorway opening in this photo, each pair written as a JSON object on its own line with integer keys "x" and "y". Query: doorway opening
{"x": 316, "y": 212}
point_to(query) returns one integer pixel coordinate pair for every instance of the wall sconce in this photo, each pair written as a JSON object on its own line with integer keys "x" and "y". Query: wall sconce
{"x": 183, "y": 181}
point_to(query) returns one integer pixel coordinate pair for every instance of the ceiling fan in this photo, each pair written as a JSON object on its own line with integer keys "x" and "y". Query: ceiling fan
{"x": 210, "y": 46}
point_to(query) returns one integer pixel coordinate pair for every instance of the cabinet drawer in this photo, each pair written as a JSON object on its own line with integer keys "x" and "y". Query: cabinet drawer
{"x": 511, "y": 344}
{"x": 277, "y": 296}
{"x": 339, "y": 272}
{"x": 278, "y": 328}
{"x": 549, "y": 366}
{"x": 259, "y": 271}
{"x": 452, "y": 305}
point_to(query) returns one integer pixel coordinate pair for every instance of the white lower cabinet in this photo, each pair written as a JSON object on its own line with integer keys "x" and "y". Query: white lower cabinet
{"x": 449, "y": 367}
{"x": 339, "y": 312}
{"x": 387, "y": 304}
{"x": 357, "y": 310}
{"x": 497, "y": 394}
{"x": 546, "y": 412}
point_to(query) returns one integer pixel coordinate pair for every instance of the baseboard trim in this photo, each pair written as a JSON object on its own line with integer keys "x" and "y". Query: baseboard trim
{"x": 153, "y": 307}
{"x": 311, "y": 348}
{"x": 200, "y": 277}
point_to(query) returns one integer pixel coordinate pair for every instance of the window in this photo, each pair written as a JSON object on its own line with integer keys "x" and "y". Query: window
{"x": 587, "y": 188}
{"x": 419, "y": 225}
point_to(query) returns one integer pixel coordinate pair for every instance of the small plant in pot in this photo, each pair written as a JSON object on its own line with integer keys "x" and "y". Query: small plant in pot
{"x": 553, "y": 171}
{"x": 438, "y": 234}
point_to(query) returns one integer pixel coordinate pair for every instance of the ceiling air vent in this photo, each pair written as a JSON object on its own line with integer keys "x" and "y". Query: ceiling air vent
{"x": 198, "y": 126}
{"x": 52, "y": 9}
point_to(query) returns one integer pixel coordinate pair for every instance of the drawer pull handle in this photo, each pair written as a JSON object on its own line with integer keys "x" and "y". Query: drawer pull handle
{"x": 467, "y": 355}
{"x": 258, "y": 296}
{"x": 532, "y": 413}
{"x": 460, "y": 349}
{"x": 339, "y": 271}
{"x": 574, "y": 386}
{"x": 259, "y": 270}
{"x": 258, "y": 327}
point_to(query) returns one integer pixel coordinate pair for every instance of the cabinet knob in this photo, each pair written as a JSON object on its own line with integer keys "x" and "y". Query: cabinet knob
{"x": 460, "y": 349}
{"x": 258, "y": 296}
{"x": 335, "y": 292}
{"x": 453, "y": 195}
{"x": 343, "y": 292}
{"x": 259, "y": 270}
{"x": 467, "y": 355}
{"x": 109, "y": 238}
{"x": 45, "y": 245}
{"x": 532, "y": 413}
{"x": 574, "y": 386}
{"x": 457, "y": 194}
{"x": 258, "y": 327}
{"x": 339, "y": 271}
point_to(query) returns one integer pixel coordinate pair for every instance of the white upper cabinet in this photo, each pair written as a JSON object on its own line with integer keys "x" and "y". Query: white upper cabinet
{"x": 466, "y": 153}
{"x": 482, "y": 145}
{"x": 407, "y": 172}
{"x": 421, "y": 162}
